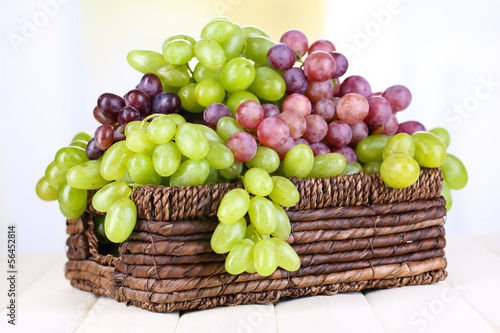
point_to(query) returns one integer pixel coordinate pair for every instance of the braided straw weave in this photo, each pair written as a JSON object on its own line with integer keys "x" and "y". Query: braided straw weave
{"x": 351, "y": 233}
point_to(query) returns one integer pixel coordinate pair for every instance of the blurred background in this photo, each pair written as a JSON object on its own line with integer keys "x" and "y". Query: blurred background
{"x": 58, "y": 56}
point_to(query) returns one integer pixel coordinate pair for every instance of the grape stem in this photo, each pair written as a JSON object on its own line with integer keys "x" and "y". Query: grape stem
{"x": 145, "y": 120}
{"x": 257, "y": 234}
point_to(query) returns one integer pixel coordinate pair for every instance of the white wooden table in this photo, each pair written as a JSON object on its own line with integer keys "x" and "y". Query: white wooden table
{"x": 468, "y": 301}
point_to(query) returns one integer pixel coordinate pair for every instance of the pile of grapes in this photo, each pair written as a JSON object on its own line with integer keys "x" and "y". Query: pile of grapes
{"x": 251, "y": 111}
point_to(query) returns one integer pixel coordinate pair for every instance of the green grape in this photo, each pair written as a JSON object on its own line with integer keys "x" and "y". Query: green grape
{"x": 109, "y": 194}
{"x": 235, "y": 44}
{"x": 145, "y": 61}
{"x": 99, "y": 228}
{"x": 134, "y": 126}
{"x": 53, "y": 175}
{"x": 239, "y": 97}
{"x": 165, "y": 181}
{"x": 352, "y": 168}
{"x": 210, "y": 133}
{"x": 442, "y": 134}
{"x": 280, "y": 171}
{"x": 219, "y": 30}
{"x": 73, "y": 214}
{"x": 45, "y": 191}
{"x": 202, "y": 73}
{"x": 251, "y": 269}
{"x": 226, "y": 236}
{"x": 268, "y": 84}
{"x": 208, "y": 92}
{"x": 213, "y": 177}
{"x": 287, "y": 257}
{"x": 178, "y": 52}
{"x": 227, "y": 126}
{"x": 371, "y": 148}
{"x": 68, "y": 157}
{"x": 174, "y": 76}
{"x": 86, "y": 176}
{"x": 141, "y": 170}
{"x": 299, "y": 161}
{"x": 124, "y": 178}
{"x": 179, "y": 120}
{"x": 400, "y": 144}
{"x": 372, "y": 167}
{"x": 430, "y": 151}
{"x": 240, "y": 257}
{"x": 399, "y": 171}
{"x": 253, "y": 31}
{"x": 161, "y": 130}
{"x": 191, "y": 141}
{"x": 120, "y": 220}
{"x": 114, "y": 161}
{"x": 188, "y": 100}
{"x": 166, "y": 159}
{"x": 283, "y": 227}
{"x": 327, "y": 165}
{"x": 265, "y": 158}
{"x": 190, "y": 39}
{"x": 237, "y": 75}
{"x": 265, "y": 257}
{"x": 138, "y": 142}
{"x": 209, "y": 53}
{"x": 284, "y": 192}
{"x": 262, "y": 215}
{"x": 79, "y": 143}
{"x": 233, "y": 206}
{"x": 250, "y": 232}
{"x": 257, "y": 48}
{"x": 71, "y": 198}
{"x": 219, "y": 156}
{"x": 446, "y": 193}
{"x": 233, "y": 171}
{"x": 84, "y": 136}
{"x": 454, "y": 172}
{"x": 190, "y": 173}
{"x": 258, "y": 182}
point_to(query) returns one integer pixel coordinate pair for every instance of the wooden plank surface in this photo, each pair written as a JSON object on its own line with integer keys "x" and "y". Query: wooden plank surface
{"x": 338, "y": 313}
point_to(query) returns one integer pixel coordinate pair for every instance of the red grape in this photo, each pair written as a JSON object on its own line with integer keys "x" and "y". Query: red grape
{"x": 321, "y": 45}
{"x": 270, "y": 110}
{"x": 297, "y": 102}
{"x": 391, "y": 126}
{"x": 320, "y": 66}
{"x": 100, "y": 117}
{"x": 302, "y": 141}
{"x": 93, "y": 152}
{"x": 118, "y": 132}
{"x": 151, "y": 85}
{"x": 128, "y": 114}
{"x": 316, "y": 128}
{"x": 296, "y": 122}
{"x": 410, "y": 127}
{"x": 352, "y": 108}
{"x": 273, "y": 132}
{"x": 104, "y": 137}
{"x": 281, "y": 57}
{"x": 316, "y": 91}
{"x": 380, "y": 111}
{"x": 297, "y": 40}
{"x": 243, "y": 146}
{"x": 319, "y": 148}
{"x": 355, "y": 84}
{"x": 249, "y": 114}
{"x": 348, "y": 152}
{"x": 295, "y": 80}
{"x": 398, "y": 96}
{"x": 110, "y": 105}
{"x": 283, "y": 150}
{"x": 166, "y": 103}
{"x": 326, "y": 109}
{"x": 339, "y": 133}
{"x": 359, "y": 132}
{"x": 140, "y": 101}
{"x": 214, "y": 112}
{"x": 342, "y": 64}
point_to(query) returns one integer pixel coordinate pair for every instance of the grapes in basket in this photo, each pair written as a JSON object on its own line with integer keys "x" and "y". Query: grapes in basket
{"x": 235, "y": 106}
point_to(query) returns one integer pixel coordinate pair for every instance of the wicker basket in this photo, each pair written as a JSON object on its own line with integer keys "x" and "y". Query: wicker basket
{"x": 351, "y": 233}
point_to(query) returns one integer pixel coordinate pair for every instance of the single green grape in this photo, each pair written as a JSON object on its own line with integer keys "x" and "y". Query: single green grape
{"x": 174, "y": 76}
{"x": 233, "y": 171}
{"x": 283, "y": 227}
{"x": 299, "y": 161}
{"x": 253, "y": 31}
{"x": 235, "y": 44}
{"x": 141, "y": 170}
{"x": 109, "y": 194}
{"x": 124, "y": 178}
{"x": 219, "y": 156}
{"x": 134, "y": 126}
{"x": 99, "y": 228}
{"x": 86, "y": 176}
{"x": 399, "y": 171}
{"x": 371, "y": 148}
{"x": 190, "y": 173}
{"x": 237, "y": 75}
{"x": 45, "y": 191}
{"x": 265, "y": 158}
{"x": 188, "y": 100}
{"x": 284, "y": 192}
{"x": 430, "y": 151}
{"x": 178, "y": 52}
{"x": 288, "y": 259}
{"x": 71, "y": 198}
{"x": 352, "y": 168}
{"x": 179, "y": 120}
{"x": 257, "y": 48}
{"x": 145, "y": 61}
{"x": 219, "y": 30}
{"x": 68, "y": 157}
{"x": 262, "y": 215}
{"x": 166, "y": 159}
{"x": 139, "y": 142}
{"x": 442, "y": 134}
{"x": 258, "y": 182}
{"x": 372, "y": 167}
{"x": 239, "y": 97}
{"x": 210, "y": 53}
{"x": 120, "y": 220}
{"x": 188, "y": 38}
{"x": 208, "y": 92}
{"x": 161, "y": 130}
{"x": 53, "y": 175}
{"x": 114, "y": 161}
{"x": 400, "y": 144}
{"x": 227, "y": 126}
{"x": 240, "y": 257}
{"x": 191, "y": 141}
{"x": 210, "y": 133}
{"x": 233, "y": 206}
{"x": 202, "y": 73}
{"x": 84, "y": 136}
{"x": 73, "y": 214}
{"x": 454, "y": 172}
{"x": 265, "y": 257}
{"x": 446, "y": 193}
{"x": 213, "y": 177}
{"x": 268, "y": 84}
{"x": 79, "y": 143}
{"x": 327, "y": 165}
{"x": 226, "y": 236}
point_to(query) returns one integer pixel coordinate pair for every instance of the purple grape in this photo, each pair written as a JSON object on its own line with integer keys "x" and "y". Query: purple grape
{"x": 355, "y": 84}
{"x": 342, "y": 64}
{"x": 93, "y": 152}
{"x": 214, "y": 112}
{"x": 348, "y": 152}
{"x": 270, "y": 110}
{"x": 321, "y": 45}
{"x": 379, "y": 113}
{"x": 151, "y": 85}
{"x": 104, "y": 137}
{"x": 297, "y": 40}
{"x": 339, "y": 133}
{"x": 410, "y": 127}
{"x": 359, "y": 132}
{"x": 139, "y": 100}
{"x": 295, "y": 80}
{"x": 166, "y": 103}
{"x": 319, "y": 148}
{"x": 118, "y": 132}
{"x": 284, "y": 149}
{"x": 316, "y": 91}
{"x": 320, "y": 66}
{"x": 281, "y": 57}
{"x": 128, "y": 114}
{"x": 325, "y": 108}
{"x": 100, "y": 117}
{"x": 398, "y": 96}
{"x": 391, "y": 126}
{"x": 110, "y": 105}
